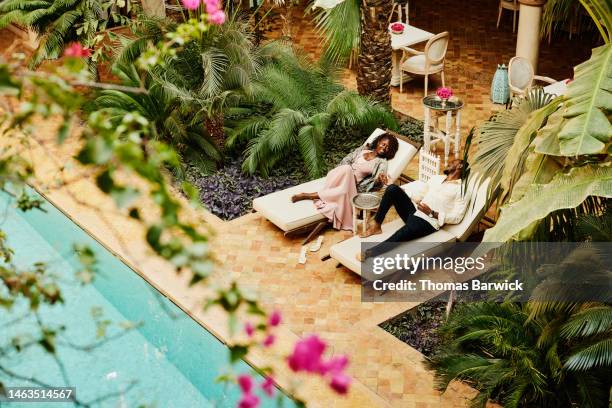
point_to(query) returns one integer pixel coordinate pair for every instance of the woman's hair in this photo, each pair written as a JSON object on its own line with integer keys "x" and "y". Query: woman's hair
{"x": 393, "y": 145}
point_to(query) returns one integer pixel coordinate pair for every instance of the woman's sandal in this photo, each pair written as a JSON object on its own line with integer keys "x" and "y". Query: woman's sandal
{"x": 317, "y": 244}
{"x": 302, "y": 258}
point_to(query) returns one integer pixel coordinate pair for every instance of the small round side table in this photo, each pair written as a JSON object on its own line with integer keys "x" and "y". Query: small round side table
{"x": 364, "y": 202}
{"x": 451, "y": 108}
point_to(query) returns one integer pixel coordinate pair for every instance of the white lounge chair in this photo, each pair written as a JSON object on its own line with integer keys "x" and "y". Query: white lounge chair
{"x": 302, "y": 216}
{"x": 345, "y": 252}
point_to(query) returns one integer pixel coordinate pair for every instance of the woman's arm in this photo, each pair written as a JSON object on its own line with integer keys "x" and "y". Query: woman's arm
{"x": 350, "y": 158}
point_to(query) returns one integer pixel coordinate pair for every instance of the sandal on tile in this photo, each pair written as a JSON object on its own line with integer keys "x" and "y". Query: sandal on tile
{"x": 302, "y": 258}
{"x": 317, "y": 244}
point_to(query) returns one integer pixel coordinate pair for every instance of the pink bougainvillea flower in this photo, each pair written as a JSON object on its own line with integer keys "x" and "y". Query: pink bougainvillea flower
{"x": 268, "y": 386}
{"x": 246, "y": 383}
{"x": 444, "y": 92}
{"x": 269, "y": 340}
{"x": 248, "y": 400}
{"x": 275, "y": 318}
{"x": 249, "y": 329}
{"x": 212, "y": 5}
{"x": 307, "y": 355}
{"x": 334, "y": 365}
{"x": 191, "y": 4}
{"x": 340, "y": 383}
{"x": 217, "y": 17}
{"x": 76, "y": 50}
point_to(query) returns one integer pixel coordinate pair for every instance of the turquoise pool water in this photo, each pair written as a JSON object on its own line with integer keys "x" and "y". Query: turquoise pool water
{"x": 168, "y": 361}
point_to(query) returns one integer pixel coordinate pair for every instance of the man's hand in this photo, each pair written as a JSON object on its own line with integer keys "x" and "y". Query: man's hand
{"x": 383, "y": 179}
{"x": 425, "y": 209}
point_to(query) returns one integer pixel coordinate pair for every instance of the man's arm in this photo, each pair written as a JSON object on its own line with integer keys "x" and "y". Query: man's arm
{"x": 416, "y": 190}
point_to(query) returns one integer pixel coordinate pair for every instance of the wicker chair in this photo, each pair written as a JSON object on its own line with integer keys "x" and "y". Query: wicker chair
{"x": 427, "y": 62}
{"x": 512, "y": 5}
{"x": 521, "y": 77}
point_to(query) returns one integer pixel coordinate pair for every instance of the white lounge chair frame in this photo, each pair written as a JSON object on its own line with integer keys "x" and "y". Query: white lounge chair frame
{"x": 302, "y": 217}
{"x": 345, "y": 252}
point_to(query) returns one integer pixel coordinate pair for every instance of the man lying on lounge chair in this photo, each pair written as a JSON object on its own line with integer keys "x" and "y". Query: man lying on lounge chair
{"x": 440, "y": 202}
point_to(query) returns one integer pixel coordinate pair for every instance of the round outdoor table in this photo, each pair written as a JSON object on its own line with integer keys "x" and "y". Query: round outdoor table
{"x": 364, "y": 202}
{"x": 450, "y": 108}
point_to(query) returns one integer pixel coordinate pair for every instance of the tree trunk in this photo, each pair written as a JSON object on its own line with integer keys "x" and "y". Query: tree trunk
{"x": 288, "y": 21}
{"x": 214, "y": 127}
{"x": 374, "y": 61}
{"x": 155, "y": 8}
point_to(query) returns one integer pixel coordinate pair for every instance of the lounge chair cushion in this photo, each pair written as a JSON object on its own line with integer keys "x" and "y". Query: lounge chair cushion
{"x": 404, "y": 154}
{"x": 474, "y": 212}
{"x": 278, "y": 208}
{"x": 346, "y": 251}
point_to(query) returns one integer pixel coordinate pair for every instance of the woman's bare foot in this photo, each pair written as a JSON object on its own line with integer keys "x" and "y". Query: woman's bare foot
{"x": 304, "y": 196}
{"x": 373, "y": 229}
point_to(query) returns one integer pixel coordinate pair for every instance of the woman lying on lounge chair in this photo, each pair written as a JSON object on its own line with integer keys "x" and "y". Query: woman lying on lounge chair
{"x": 365, "y": 169}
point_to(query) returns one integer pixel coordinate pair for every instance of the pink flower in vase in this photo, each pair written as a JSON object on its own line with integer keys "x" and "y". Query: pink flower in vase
{"x": 444, "y": 93}
{"x": 397, "y": 28}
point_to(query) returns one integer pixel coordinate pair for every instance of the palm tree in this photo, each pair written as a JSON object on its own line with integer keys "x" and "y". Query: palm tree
{"x": 59, "y": 22}
{"x": 304, "y": 100}
{"x": 209, "y": 74}
{"x": 524, "y": 357}
{"x": 171, "y": 120}
{"x": 361, "y": 26}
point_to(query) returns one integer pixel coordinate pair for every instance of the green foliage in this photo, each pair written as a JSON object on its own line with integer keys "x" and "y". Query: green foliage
{"x": 170, "y": 119}
{"x": 60, "y": 22}
{"x": 582, "y": 126}
{"x": 341, "y": 29}
{"x": 565, "y": 190}
{"x": 305, "y": 101}
{"x": 556, "y": 13}
{"x": 552, "y": 156}
{"x": 496, "y": 136}
{"x": 525, "y": 359}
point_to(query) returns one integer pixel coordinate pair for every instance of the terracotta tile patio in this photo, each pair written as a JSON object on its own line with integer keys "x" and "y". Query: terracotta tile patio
{"x": 316, "y": 297}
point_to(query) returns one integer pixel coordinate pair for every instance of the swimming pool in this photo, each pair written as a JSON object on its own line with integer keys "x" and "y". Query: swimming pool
{"x": 169, "y": 360}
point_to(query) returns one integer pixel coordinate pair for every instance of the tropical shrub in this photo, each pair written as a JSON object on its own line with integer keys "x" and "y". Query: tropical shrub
{"x": 61, "y": 22}
{"x": 555, "y": 350}
{"x": 128, "y": 163}
{"x": 354, "y": 27}
{"x": 524, "y": 357}
{"x": 212, "y": 73}
{"x": 559, "y": 158}
{"x": 169, "y": 119}
{"x": 305, "y": 100}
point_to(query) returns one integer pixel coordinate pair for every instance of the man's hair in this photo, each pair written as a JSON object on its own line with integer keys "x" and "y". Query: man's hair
{"x": 393, "y": 145}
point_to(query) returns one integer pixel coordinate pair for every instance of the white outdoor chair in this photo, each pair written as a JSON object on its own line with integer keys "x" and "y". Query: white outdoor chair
{"x": 521, "y": 77}
{"x": 427, "y": 62}
{"x": 303, "y": 216}
{"x": 429, "y": 165}
{"x": 402, "y": 12}
{"x": 512, "y": 5}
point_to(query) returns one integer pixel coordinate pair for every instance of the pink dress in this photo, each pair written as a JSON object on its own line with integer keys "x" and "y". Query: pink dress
{"x": 340, "y": 188}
